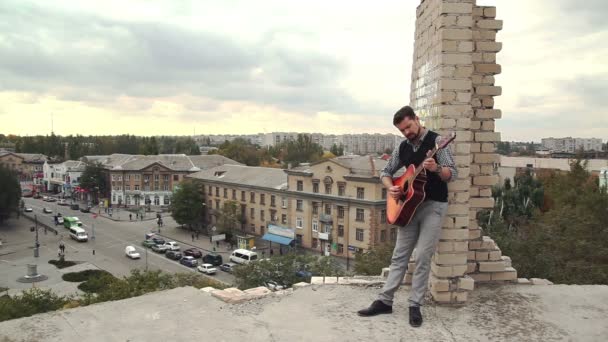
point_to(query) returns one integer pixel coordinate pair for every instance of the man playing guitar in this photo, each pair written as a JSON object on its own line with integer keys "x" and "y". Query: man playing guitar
{"x": 424, "y": 229}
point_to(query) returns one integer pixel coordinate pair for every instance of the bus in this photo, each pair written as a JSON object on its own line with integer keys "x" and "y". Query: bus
{"x": 70, "y": 222}
{"x": 78, "y": 234}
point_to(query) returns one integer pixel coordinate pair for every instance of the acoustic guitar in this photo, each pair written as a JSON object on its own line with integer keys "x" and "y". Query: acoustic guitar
{"x": 400, "y": 211}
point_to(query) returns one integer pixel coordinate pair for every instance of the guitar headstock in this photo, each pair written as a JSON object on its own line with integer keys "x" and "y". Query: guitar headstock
{"x": 446, "y": 140}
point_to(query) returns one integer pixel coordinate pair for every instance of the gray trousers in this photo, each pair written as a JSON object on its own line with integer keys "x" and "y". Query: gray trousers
{"x": 423, "y": 232}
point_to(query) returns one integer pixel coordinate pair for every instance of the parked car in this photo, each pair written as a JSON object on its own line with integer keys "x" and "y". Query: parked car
{"x": 148, "y": 243}
{"x": 158, "y": 240}
{"x": 131, "y": 252}
{"x": 213, "y": 259}
{"x": 45, "y": 198}
{"x": 28, "y": 209}
{"x": 74, "y": 206}
{"x": 51, "y": 199}
{"x": 172, "y": 246}
{"x": 207, "y": 269}
{"x": 62, "y": 202}
{"x": 189, "y": 261}
{"x": 46, "y": 210}
{"x": 274, "y": 286}
{"x": 37, "y": 196}
{"x": 193, "y": 252}
{"x": 174, "y": 255}
{"x": 86, "y": 210}
{"x": 227, "y": 267}
{"x": 159, "y": 248}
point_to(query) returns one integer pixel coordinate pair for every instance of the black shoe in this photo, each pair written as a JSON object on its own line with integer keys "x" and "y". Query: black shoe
{"x": 377, "y": 307}
{"x": 415, "y": 316}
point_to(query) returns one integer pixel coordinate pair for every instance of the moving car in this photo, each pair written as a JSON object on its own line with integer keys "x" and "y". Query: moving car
{"x": 62, "y": 202}
{"x": 85, "y": 210}
{"x": 132, "y": 253}
{"x": 189, "y": 261}
{"x": 47, "y": 210}
{"x": 78, "y": 234}
{"x": 51, "y": 199}
{"x": 193, "y": 252}
{"x": 28, "y": 209}
{"x": 207, "y": 269}
{"x": 159, "y": 248}
{"x": 227, "y": 267}
{"x": 174, "y": 255}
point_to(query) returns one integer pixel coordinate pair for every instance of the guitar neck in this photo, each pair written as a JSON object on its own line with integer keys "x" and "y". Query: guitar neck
{"x": 429, "y": 154}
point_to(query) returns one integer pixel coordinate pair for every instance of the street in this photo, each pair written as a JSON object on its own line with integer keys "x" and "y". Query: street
{"x": 108, "y": 239}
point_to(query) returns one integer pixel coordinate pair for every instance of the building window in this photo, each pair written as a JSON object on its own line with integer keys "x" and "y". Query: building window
{"x": 165, "y": 186}
{"x": 127, "y": 178}
{"x": 283, "y": 218}
{"x": 273, "y": 215}
{"x": 383, "y": 216}
{"x": 340, "y": 230}
{"x": 127, "y": 187}
{"x": 340, "y": 248}
{"x": 210, "y": 190}
{"x": 233, "y": 194}
{"x": 166, "y": 178}
{"x": 341, "y": 189}
{"x": 299, "y": 223}
{"x": 315, "y": 208}
{"x": 393, "y": 234}
{"x": 328, "y": 188}
{"x": 137, "y": 178}
{"x": 262, "y": 199}
{"x": 156, "y": 178}
{"x": 315, "y": 226}
{"x": 315, "y": 188}
{"x": 253, "y": 228}
{"x": 315, "y": 243}
{"x": 252, "y": 197}
{"x": 252, "y": 213}
{"x": 340, "y": 212}
{"x": 175, "y": 178}
{"x": 262, "y": 216}
{"x": 217, "y": 204}
{"x": 299, "y": 205}
{"x": 167, "y": 200}
{"x": 273, "y": 201}
{"x": 328, "y": 209}
{"x": 136, "y": 187}
{"x": 382, "y": 235}
{"x": 360, "y": 215}
{"x": 284, "y": 200}
{"x": 359, "y": 234}
{"x": 300, "y": 185}
{"x": 217, "y": 191}
{"x": 243, "y": 196}
{"x": 383, "y": 193}
{"x": 225, "y": 193}
{"x": 360, "y": 193}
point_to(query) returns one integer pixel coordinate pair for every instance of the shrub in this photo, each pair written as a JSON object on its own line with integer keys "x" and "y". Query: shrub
{"x": 81, "y": 276}
{"x": 62, "y": 263}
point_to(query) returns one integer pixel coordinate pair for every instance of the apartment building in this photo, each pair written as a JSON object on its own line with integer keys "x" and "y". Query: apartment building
{"x": 62, "y": 178}
{"x": 136, "y": 180}
{"x": 572, "y": 145}
{"x": 363, "y": 144}
{"x": 335, "y": 206}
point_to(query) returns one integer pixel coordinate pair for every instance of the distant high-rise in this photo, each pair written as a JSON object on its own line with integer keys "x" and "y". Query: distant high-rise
{"x": 572, "y": 145}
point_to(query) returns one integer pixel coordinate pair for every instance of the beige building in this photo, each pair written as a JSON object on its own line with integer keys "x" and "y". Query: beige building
{"x": 12, "y": 161}
{"x": 332, "y": 203}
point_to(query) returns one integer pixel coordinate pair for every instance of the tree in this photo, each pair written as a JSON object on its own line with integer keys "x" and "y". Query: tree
{"x": 228, "y": 219}
{"x": 10, "y": 193}
{"x": 372, "y": 261}
{"x": 301, "y": 150}
{"x": 187, "y": 204}
{"x": 339, "y": 150}
{"x": 241, "y": 151}
{"x": 94, "y": 180}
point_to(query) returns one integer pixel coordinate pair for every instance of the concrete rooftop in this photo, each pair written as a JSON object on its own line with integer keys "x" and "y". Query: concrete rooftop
{"x": 327, "y": 313}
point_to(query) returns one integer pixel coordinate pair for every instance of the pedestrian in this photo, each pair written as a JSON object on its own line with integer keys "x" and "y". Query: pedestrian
{"x": 271, "y": 252}
{"x": 130, "y": 217}
{"x": 137, "y": 215}
{"x": 217, "y": 243}
{"x": 192, "y": 237}
{"x": 424, "y": 228}
{"x": 210, "y": 239}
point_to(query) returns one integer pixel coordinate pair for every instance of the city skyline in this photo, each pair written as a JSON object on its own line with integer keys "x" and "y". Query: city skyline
{"x": 172, "y": 69}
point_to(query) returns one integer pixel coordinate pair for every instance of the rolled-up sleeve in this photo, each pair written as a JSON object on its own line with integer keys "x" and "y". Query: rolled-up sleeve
{"x": 393, "y": 165}
{"x": 446, "y": 159}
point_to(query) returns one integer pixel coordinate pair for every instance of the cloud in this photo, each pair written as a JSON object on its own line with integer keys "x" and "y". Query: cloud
{"x": 92, "y": 59}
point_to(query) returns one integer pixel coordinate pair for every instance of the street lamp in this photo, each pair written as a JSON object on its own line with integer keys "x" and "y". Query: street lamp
{"x": 36, "y": 244}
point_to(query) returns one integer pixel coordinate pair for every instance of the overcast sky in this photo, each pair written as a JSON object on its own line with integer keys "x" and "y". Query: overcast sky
{"x": 175, "y": 67}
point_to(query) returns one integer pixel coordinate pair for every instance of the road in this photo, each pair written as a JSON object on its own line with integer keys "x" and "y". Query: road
{"x": 107, "y": 247}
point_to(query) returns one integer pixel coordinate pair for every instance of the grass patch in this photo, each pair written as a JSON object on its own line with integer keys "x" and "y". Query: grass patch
{"x": 77, "y": 277}
{"x": 62, "y": 264}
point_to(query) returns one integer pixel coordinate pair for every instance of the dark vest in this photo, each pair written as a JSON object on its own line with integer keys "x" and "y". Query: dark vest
{"x": 435, "y": 188}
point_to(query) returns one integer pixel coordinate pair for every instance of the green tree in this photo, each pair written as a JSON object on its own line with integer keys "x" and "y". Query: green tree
{"x": 301, "y": 150}
{"x": 10, "y": 193}
{"x": 241, "y": 151}
{"x": 187, "y": 204}
{"x": 229, "y": 219}
{"x": 93, "y": 179}
{"x": 339, "y": 150}
{"x": 373, "y": 261}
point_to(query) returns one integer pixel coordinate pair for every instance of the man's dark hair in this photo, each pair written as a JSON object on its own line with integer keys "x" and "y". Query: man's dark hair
{"x": 405, "y": 112}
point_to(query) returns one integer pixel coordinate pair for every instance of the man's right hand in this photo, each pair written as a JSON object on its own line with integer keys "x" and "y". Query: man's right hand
{"x": 395, "y": 192}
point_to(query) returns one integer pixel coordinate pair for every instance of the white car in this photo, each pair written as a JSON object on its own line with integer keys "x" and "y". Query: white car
{"x": 28, "y": 209}
{"x": 207, "y": 269}
{"x": 47, "y": 211}
{"x": 172, "y": 246}
{"x": 132, "y": 253}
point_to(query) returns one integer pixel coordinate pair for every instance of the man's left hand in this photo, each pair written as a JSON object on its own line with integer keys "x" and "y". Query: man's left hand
{"x": 430, "y": 165}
